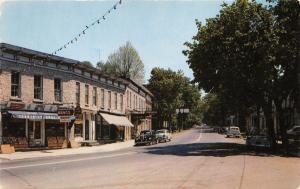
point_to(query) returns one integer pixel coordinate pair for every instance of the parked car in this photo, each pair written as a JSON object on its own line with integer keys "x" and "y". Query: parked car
{"x": 146, "y": 137}
{"x": 294, "y": 132}
{"x": 163, "y": 135}
{"x": 258, "y": 141}
{"x": 233, "y": 132}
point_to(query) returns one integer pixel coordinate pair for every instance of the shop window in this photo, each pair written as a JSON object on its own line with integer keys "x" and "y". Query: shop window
{"x": 53, "y": 128}
{"x": 78, "y": 131}
{"x": 38, "y": 87}
{"x": 15, "y": 84}
{"x": 14, "y": 127}
{"x": 57, "y": 90}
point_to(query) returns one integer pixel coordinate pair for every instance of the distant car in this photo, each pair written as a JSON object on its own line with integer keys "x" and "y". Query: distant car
{"x": 233, "y": 132}
{"x": 163, "y": 135}
{"x": 294, "y": 132}
{"x": 146, "y": 137}
{"x": 258, "y": 141}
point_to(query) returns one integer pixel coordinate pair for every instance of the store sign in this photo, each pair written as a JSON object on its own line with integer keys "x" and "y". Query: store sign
{"x": 78, "y": 121}
{"x": 64, "y": 111}
{"x": 65, "y": 119}
{"x": 16, "y": 106}
{"x": 78, "y": 112}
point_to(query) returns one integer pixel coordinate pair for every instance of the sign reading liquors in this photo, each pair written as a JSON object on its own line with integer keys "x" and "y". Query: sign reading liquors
{"x": 63, "y": 111}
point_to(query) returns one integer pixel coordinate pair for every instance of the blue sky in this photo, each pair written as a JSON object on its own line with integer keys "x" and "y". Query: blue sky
{"x": 157, "y": 29}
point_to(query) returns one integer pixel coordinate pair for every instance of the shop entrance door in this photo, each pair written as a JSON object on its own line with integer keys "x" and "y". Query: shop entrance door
{"x": 35, "y": 133}
{"x": 87, "y": 130}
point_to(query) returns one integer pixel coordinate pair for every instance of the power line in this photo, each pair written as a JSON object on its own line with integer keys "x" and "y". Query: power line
{"x": 87, "y": 27}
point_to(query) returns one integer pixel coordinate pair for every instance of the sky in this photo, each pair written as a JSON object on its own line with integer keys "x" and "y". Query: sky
{"x": 156, "y": 28}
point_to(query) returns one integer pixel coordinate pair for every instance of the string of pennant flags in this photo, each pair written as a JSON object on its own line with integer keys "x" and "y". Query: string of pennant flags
{"x": 87, "y": 27}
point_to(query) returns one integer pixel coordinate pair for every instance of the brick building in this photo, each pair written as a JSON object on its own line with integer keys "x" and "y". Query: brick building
{"x": 138, "y": 107}
{"x": 34, "y": 86}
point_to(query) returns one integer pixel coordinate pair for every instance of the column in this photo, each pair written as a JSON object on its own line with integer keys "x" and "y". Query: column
{"x": 1, "y": 128}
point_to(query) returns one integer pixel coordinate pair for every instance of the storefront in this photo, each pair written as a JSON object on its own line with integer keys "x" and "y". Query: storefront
{"x": 110, "y": 127}
{"x": 28, "y": 126}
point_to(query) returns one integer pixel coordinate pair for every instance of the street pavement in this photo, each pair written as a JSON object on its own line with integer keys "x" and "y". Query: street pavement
{"x": 193, "y": 159}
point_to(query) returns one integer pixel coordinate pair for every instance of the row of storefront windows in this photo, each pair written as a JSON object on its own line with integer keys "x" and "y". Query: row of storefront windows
{"x": 37, "y": 133}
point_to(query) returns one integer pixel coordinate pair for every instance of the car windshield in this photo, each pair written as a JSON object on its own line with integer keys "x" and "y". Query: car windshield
{"x": 145, "y": 132}
{"x": 160, "y": 131}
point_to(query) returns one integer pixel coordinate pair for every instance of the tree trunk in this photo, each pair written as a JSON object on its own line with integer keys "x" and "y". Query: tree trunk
{"x": 270, "y": 124}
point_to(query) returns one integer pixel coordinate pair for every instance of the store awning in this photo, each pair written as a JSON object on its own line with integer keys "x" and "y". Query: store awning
{"x": 116, "y": 120}
{"x": 33, "y": 115}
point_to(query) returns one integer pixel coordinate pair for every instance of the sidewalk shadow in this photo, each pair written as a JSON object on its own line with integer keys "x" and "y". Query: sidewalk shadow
{"x": 210, "y": 149}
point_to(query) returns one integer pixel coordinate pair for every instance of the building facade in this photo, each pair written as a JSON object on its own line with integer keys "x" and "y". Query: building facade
{"x": 138, "y": 107}
{"x": 37, "y": 89}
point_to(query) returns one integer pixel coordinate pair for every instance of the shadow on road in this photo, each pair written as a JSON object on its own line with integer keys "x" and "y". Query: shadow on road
{"x": 210, "y": 149}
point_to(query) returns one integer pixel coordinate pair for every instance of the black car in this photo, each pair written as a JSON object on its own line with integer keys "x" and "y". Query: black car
{"x": 146, "y": 137}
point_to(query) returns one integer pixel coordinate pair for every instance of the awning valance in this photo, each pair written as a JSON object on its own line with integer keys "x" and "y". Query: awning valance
{"x": 116, "y": 120}
{"x": 33, "y": 115}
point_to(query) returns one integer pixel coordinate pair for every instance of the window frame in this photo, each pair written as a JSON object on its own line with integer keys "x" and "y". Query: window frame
{"x": 38, "y": 88}
{"x": 16, "y": 87}
{"x": 86, "y": 94}
{"x": 58, "y": 91}
{"x": 77, "y": 93}
{"x": 102, "y": 96}
{"x": 94, "y": 96}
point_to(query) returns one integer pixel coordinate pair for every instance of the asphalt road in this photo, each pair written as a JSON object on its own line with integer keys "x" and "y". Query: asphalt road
{"x": 191, "y": 160}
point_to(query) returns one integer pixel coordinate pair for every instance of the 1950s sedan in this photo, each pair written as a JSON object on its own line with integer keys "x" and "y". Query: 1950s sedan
{"x": 146, "y": 137}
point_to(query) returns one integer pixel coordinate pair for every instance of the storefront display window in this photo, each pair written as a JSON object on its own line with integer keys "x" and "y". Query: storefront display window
{"x": 78, "y": 130}
{"x": 14, "y": 127}
{"x": 54, "y": 128}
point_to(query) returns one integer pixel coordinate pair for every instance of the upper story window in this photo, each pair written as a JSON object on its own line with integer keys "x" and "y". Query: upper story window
{"x": 121, "y": 102}
{"x": 57, "y": 90}
{"x": 94, "y": 96}
{"x": 133, "y": 106}
{"x": 38, "y": 87}
{"x": 86, "y": 94}
{"x": 136, "y": 102}
{"x": 109, "y": 99}
{"x": 102, "y": 98}
{"x": 77, "y": 93}
{"x": 128, "y": 99}
{"x": 116, "y": 101}
{"x": 15, "y": 84}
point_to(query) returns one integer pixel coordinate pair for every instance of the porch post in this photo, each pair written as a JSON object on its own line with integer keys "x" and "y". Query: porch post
{"x": 1, "y": 128}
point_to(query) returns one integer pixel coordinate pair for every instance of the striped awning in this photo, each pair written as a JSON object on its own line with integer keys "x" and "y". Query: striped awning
{"x": 33, "y": 115}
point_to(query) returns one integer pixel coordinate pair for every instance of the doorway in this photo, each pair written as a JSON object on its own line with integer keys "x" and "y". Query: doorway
{"x": 35, "y": 133}
{"x": 87, "y": 130}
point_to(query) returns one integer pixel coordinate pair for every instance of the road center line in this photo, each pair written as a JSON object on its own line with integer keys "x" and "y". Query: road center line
{"x": 68, "y": 161}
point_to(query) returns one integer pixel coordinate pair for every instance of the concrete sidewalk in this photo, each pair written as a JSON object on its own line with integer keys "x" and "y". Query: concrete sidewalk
{"x": 68, "y": 151}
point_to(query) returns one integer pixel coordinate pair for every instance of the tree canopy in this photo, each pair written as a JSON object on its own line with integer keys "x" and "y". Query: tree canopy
{"x": 125, "y": 62}
{"x": 247, "y": 54}
{"x": 172, "y": 90}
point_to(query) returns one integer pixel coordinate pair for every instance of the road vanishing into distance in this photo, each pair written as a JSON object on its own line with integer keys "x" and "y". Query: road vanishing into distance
{"x": 193, "y": 159}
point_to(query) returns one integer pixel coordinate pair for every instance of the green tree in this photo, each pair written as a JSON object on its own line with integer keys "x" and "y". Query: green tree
{"x": 87, "y": 63}
{"x": 172, "y": 90}
{"x": 232, "y": 55}
{"x": 125, "y": 62}
{"x": 286, "y": 58}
